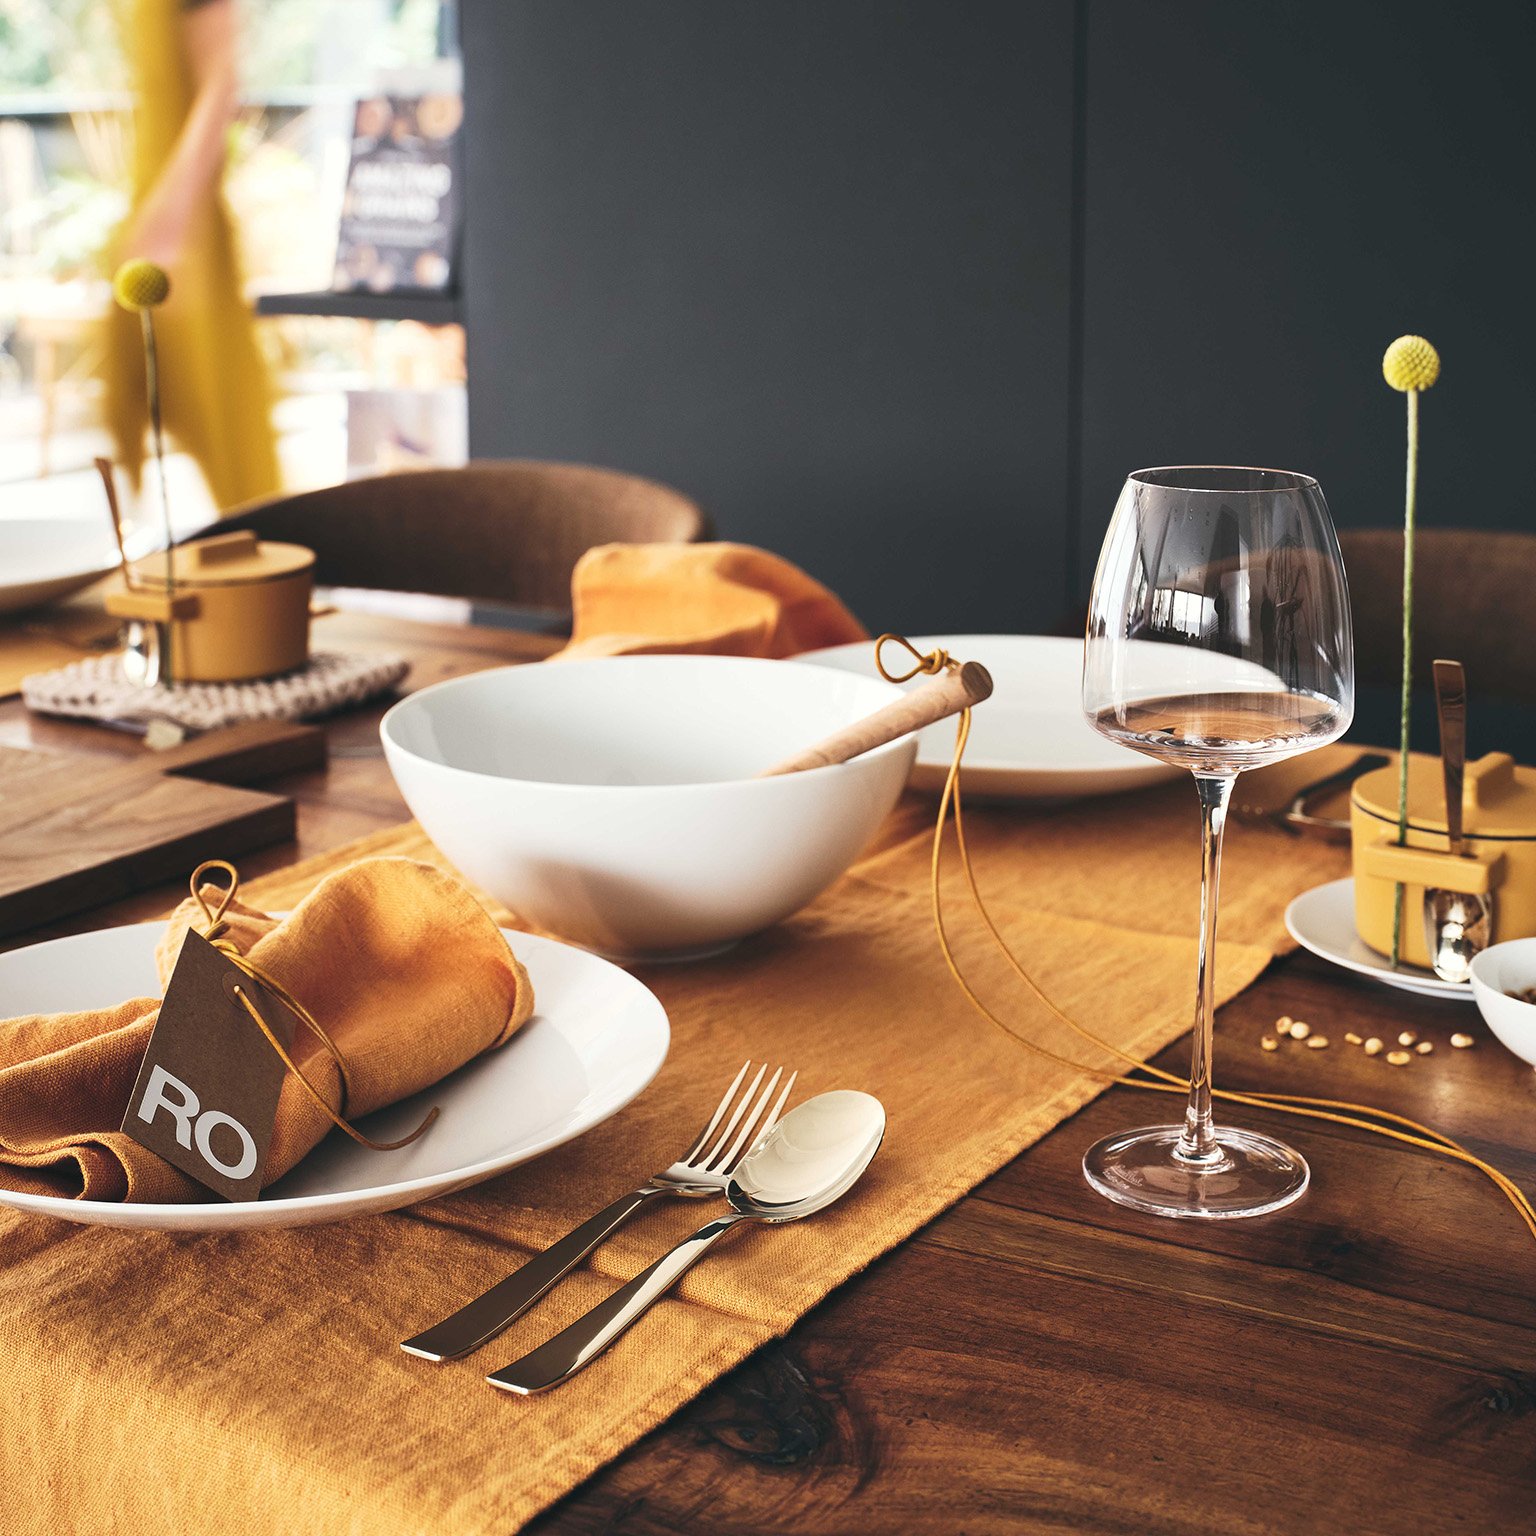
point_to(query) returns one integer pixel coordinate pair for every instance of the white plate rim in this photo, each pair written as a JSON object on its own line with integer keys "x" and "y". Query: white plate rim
{"x": 861, "y": 649}
{"x": 1136, "y": 768}
{"x": 233, "y": 1215}
{"x": 141, "y": 542}
{"x": 1424, "y": 983}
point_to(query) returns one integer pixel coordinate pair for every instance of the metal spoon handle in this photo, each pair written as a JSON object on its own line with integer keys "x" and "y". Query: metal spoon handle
{"x": 562, "y": 1356}
{"x": 1451, "y": 704}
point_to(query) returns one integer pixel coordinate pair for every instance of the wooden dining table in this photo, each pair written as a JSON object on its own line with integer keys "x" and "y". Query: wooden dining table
{"x": 1038, "y": 1359}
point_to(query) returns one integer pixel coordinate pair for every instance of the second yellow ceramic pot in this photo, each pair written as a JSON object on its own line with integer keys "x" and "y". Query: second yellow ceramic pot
{"x": 1499, "y": 820}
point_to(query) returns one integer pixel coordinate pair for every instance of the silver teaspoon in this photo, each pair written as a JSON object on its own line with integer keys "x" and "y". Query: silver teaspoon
{"x": 1457, "y": 924}
{"x": 143, "y": 646}
{"x": 815, "y": 1154}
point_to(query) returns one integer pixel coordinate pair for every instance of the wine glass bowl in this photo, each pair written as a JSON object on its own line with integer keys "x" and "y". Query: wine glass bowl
{"x": 1218, "y": 640}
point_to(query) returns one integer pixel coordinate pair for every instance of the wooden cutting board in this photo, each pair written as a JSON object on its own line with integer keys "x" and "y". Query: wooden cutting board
{"x": 79, "y": 831}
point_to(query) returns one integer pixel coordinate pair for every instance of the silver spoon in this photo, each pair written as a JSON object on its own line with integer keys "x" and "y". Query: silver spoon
{"x": 143, "y": 646}
{"x": 815, "y": 1154}
{"x": 1457, "y": 924}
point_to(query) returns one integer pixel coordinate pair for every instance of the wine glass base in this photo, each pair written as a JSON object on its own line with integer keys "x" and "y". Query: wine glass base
{"x": 1251, "y": 1175}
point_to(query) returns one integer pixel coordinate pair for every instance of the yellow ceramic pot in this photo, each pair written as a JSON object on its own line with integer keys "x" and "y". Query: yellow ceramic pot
{"x": 1499, "y": 822}
{"x": 238, "y": 609}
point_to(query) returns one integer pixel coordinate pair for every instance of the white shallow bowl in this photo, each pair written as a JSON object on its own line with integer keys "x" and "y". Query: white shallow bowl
{"x": 1498, "y": 970}
{"x": 613, "y": 801}
{"x": 1029, "y": 741}
{"x": 596, "y": 1039}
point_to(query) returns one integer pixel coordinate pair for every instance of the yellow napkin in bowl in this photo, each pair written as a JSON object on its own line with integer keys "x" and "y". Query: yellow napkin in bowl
{"x": 404, "y": 969}
{"x": 714, "y": 599}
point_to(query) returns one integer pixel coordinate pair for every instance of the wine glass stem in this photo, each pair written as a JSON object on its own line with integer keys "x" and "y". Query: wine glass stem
{"x": 1198, "y": 1143}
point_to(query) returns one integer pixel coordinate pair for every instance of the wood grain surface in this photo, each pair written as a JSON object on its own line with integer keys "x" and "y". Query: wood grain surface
{"x": 76, "y": 831}
{"x": 1038, "y": 1360}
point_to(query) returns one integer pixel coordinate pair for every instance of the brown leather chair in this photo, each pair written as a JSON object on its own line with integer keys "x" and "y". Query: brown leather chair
{"x": 496, "y": 531}
{"x": 1474, "y": 602}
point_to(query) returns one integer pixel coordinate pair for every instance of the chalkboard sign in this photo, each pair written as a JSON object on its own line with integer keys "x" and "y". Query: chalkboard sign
{"x": 400, "y": 214}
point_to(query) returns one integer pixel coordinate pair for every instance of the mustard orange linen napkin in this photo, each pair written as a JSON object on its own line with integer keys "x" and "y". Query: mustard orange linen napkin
{"x": 396, "y": 959}
{"x": 717, "y": 599}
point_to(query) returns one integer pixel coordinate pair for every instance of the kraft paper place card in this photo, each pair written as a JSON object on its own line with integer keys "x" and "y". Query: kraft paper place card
{"x": 206, "y": 1095}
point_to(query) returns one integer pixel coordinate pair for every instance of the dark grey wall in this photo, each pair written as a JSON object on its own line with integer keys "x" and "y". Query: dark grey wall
{"x": 1273, "y": 193}
{"x": 808, "y": 262}
{"x": 902, "y": 290}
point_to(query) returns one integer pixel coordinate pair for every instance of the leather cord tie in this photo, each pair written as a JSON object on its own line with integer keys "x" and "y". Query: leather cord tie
{"x": 926, "y": 665}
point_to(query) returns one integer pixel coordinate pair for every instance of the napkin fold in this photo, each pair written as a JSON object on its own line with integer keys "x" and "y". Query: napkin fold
{"x": 406, "y": 971}
{"x": 715, "y": 599}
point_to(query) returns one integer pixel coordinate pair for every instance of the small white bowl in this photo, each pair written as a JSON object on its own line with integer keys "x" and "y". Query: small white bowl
{"x": 1498, "y": 970}
{"x": 612, "y": 801}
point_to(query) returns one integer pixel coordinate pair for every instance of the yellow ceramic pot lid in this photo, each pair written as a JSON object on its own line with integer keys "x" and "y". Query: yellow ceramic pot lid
{"x": 225, "y": 560}
{"x": 1499, "y": 803}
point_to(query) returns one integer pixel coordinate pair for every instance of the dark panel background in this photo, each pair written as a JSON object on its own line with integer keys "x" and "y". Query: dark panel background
{"x": 903, "y": 290}
{"x": 807, "y": 262}
{"x": 1274, "y": 192}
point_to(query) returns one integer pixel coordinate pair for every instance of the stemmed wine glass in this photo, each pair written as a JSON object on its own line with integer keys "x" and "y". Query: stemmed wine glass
{"x": 1218, "y": 639}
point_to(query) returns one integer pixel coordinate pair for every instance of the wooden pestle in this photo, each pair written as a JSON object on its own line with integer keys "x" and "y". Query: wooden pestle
{"x": 946, "y": 695}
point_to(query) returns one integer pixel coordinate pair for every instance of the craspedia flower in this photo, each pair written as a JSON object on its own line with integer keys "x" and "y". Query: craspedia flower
{"x": 140, "y": 284}
{"x": 1410, "y": 363}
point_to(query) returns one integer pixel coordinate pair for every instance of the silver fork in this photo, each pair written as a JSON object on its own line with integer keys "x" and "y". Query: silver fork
{"x": 696, "y": 1175}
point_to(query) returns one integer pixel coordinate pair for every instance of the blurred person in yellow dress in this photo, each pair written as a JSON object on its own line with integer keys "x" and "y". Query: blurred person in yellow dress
{"x": 216, "y": 393}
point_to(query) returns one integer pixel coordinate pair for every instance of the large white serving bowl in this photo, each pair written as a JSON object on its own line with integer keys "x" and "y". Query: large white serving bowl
{"x": 1496, "y": 972}
{"x": 613, "y": 800}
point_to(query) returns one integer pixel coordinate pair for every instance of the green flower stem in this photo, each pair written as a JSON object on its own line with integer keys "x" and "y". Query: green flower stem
{"x": 1410, "y": 505}
{"x": 152, "y": 387}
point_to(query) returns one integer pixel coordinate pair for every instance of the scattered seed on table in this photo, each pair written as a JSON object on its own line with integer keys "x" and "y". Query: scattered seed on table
{"x": 1407, "y": 1037}
{"x": 1300, "y": 1031}
{"x": 1373, "y": 1046}
{"x": 1424, "y": 1047}
{"x": 1318, "y": 1043}
{"x": 1461, "y": 1042}
{"x": 1353, "y": 1038}
{"x": 1398, "y": 1058}
{"x": 1283, "y": 1026}
{"x": 1269, "y": 1043}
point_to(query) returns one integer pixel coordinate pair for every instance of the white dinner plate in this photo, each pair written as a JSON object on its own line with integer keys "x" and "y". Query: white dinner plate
{"x": 48, "y": 555}
{"x": 42, "y": 558}
{"x": 1323, "y": 921}
{"x": 1029, "y": 741}
{"x": 597, "y": 1038}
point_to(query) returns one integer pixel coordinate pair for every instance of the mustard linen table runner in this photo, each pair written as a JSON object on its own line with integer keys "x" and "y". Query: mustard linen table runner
{"x": 253, "y": 1382}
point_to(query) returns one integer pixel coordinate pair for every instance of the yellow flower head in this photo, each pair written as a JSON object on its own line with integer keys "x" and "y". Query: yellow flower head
{"x": 1410, "y": 363}
{"x": 140, "y": 284}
